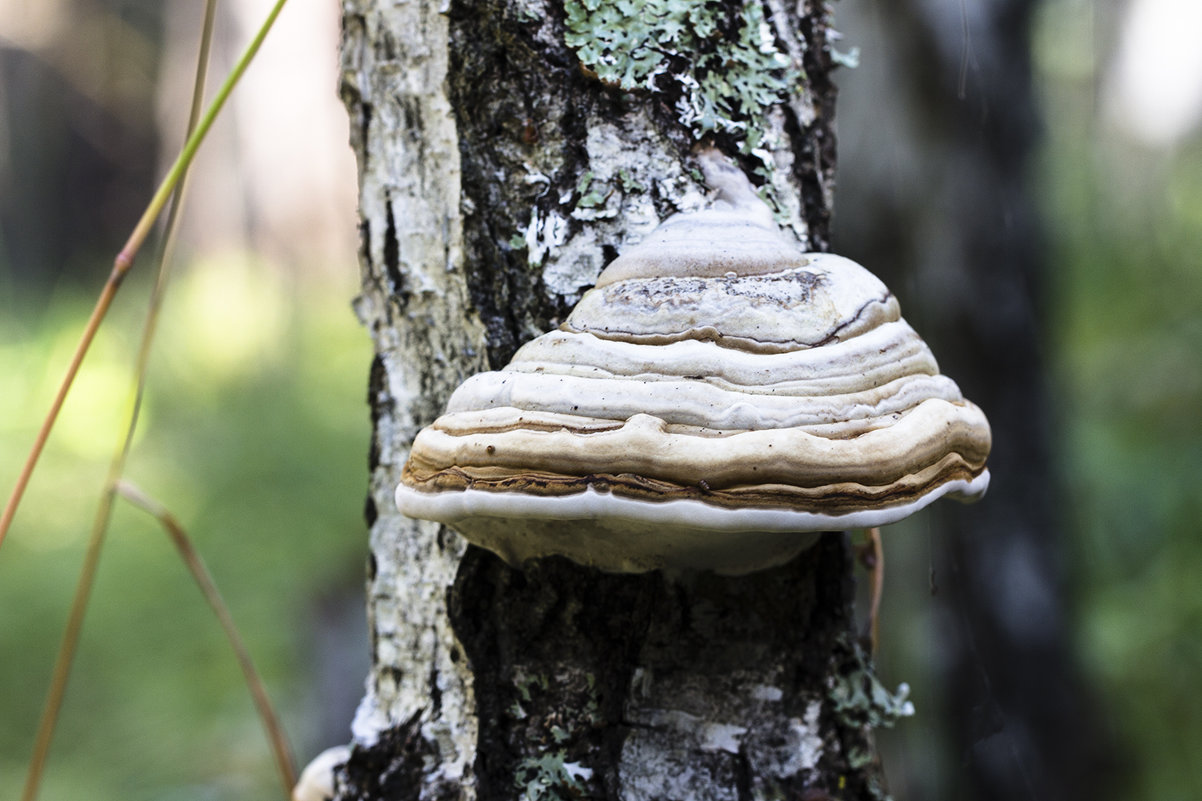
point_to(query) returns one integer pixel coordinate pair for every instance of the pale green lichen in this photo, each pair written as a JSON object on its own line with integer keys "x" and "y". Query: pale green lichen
{"x": 849, "y": 60}
{"x": 524, "y": 683}
{"x": 629, "y": 184}
{"x": 594, "y": 195}
{"x": 723, "y": 64}
{"x": 860, "y": 699}
{"x": 549, "y": 778}
{"x": 547, "y": 775}
{"x": 586, "y": 180}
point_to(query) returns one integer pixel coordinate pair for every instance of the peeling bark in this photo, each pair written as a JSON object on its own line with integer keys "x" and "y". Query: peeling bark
{"x": 708, "y": 687}
{"x": 419, "y": 708}
{"x": 498, "y": 176}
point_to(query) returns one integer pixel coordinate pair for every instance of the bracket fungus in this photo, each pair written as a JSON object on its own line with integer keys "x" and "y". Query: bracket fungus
{"x": 714, "y": 402}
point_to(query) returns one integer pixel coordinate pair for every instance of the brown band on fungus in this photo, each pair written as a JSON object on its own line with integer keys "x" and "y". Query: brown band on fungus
{"x": 644, "y": 446}
{"x": 839, "y": 498}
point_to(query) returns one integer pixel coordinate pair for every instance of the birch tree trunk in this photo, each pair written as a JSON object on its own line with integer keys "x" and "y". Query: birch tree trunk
{"x": 508, "y": 149}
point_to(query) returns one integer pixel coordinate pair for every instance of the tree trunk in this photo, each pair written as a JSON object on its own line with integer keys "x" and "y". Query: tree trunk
{"x": 507, "y": 151}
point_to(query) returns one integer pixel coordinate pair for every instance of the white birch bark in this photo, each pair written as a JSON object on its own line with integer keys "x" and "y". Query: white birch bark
{"x": 394, "y": 73}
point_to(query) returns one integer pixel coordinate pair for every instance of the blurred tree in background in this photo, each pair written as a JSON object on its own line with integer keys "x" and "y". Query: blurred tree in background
{"x": 1017, "y": 216}
{"x": 1122, "y": 180}
{"x": 939, "y": 126}
{"x": 78, "y": 140}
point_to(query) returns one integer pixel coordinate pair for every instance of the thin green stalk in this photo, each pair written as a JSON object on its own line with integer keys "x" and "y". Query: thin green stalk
{"x": 142, "y": 229}
{"x": 172, "y": 187}
{"x": 125, "y": 259}
{"x": 204, "y": 580}
{"x": 83, "y": 587}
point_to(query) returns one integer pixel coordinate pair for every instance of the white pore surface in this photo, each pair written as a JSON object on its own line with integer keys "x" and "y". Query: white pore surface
{"x": 627, "y": 535}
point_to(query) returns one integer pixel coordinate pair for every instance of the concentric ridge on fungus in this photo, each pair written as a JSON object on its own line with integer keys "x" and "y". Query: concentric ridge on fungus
{"x": 717, "y": 399}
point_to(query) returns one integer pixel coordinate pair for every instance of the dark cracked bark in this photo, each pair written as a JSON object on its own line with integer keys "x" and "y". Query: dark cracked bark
{"x": 703, "y": 687}
{"x": 498, "y": 176}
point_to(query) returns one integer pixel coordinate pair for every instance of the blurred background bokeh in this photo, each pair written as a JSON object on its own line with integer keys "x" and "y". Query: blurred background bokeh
{"x": 255, "y": 428}
{"x": 1027, "y": 177}
{"x": 1052, "y": 150}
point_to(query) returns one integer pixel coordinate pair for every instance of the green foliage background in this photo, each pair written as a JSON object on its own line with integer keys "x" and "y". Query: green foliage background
{"x": 255, "y": 435}
{"x": 1128, "y": 348}
{"x": 1126, "y": 262}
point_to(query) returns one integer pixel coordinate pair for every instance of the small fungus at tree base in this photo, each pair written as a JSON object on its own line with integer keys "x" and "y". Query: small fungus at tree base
{"x": 316, "y": 782}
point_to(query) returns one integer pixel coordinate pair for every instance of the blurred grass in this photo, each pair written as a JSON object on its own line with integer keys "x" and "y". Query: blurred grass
{"x": 254, "y": 434}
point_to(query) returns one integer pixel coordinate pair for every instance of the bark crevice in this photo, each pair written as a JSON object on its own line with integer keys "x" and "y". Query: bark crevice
{"x": 696, "y": 687}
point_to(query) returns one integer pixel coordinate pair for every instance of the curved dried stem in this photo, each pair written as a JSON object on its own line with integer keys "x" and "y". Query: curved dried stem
{"x": 172, "y": 187}
{"x": 83, "y": 588}
{"x": 871, "y": 555}
{"x": 124, "y": 261}
{"x": 204, "y": 581}
{"x": 878, "y": 586}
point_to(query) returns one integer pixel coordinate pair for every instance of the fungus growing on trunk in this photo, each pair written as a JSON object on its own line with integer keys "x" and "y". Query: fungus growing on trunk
{"x": 714, "y": 402}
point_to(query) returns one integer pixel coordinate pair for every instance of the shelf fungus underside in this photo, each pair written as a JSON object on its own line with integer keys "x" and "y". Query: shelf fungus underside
{"x": 714, "y": 402}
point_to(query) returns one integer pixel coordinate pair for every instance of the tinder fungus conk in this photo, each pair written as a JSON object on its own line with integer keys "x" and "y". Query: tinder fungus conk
{"x": 713, "y": 403}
